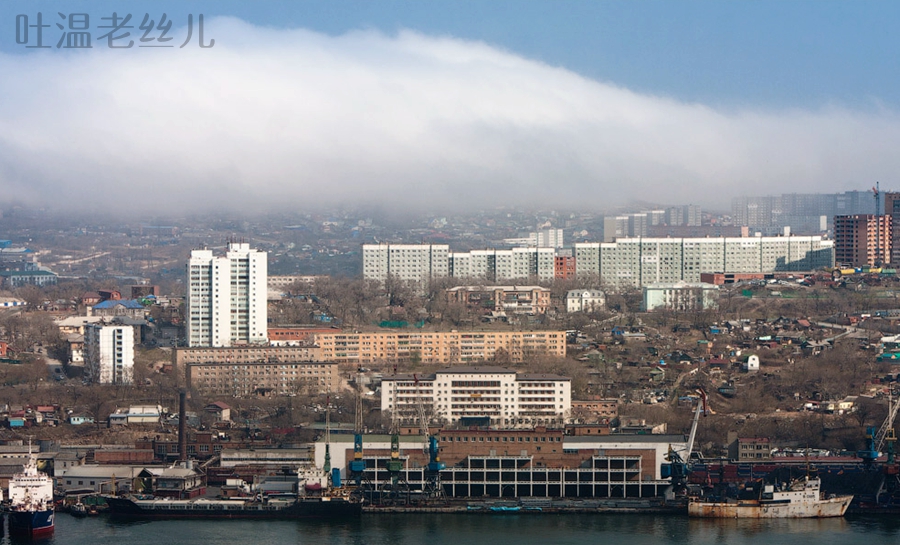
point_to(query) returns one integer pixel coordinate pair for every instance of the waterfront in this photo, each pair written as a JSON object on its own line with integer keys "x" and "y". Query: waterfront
{"x": 470, "y": 528}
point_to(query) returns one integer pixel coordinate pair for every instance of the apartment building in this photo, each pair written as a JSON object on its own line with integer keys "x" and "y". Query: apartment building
{"x": 226, "y": 297}
{"x": 239, "y": 355}
{"x": 502, "y": 395}
{"x": 262, "y": 378}
{"x": 440, "y": 347}
{"x": 862, "y": 239}
{"x": 109, "y": 353}
{"x": 510, "y": 299}
{"x": 635, "y": 262}
{"x": 408, "y": 262}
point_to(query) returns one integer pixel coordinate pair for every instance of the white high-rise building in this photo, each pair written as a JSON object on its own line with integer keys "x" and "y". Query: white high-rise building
{"x": 109, "y": 353}
{"x": 226, "y": 297}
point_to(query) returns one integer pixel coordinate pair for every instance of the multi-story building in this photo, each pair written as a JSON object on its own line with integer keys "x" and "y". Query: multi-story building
{"x": 407, "y": 262}
{"x": 244, "y": 355}
{"x": 564, "y": 265}
{"x": 109, "y": 353}
{"x": 502, "y": 395}
{"x": 545, "y": 238}
{"x": 637, "y": 262}
{"x": 862, "y": 239}
{"x": 510, "y": 299}
{"x": 441, "y": 347}
{"x": 226, "y": 297}
{"x": 262, "y": 378}
{"x": 680, "y": 296}
{"x": 584, "y": 300}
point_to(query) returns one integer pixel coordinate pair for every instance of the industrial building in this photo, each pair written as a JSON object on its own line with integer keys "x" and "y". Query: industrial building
{"x": 539, "y": 463}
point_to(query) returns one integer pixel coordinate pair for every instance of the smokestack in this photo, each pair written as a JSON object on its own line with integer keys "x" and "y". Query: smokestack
{"x": 182, "y": 436}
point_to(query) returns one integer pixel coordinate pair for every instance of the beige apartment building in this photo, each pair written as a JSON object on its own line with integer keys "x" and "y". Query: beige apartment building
{"x": 442, "y": 347}
{"x": 245, "y": 354}
{"x": 246, "y": 379}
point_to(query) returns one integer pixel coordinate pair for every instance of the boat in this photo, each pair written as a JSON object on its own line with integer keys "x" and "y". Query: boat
{"x": 30, "y": 509}
{"x": 324, "y": 503}
{"x": 78, "y": 510}
{"x": 800, "y": 499}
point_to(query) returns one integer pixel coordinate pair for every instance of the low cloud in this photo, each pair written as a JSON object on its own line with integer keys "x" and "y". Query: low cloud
{"x": 293, "y": 118}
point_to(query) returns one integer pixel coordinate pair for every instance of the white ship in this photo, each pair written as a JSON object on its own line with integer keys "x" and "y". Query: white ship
{"x": 802, "y": 499}
{"x": 30, "y": 509}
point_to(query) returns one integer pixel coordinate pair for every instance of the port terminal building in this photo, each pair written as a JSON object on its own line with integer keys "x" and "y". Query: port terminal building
{"x": 502, "y": 463}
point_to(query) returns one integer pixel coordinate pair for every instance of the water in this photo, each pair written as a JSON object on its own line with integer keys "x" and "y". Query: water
{"x": 466, "y": 529}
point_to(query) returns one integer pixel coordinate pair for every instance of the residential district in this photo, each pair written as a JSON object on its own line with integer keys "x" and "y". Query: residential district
{"x": 503, "y": 355}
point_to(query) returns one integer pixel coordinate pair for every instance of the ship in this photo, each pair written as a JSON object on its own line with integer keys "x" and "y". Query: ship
{"x": 800, "y": 499}
{"x": 30, "y": 509}
{"x": 313, "y": 500}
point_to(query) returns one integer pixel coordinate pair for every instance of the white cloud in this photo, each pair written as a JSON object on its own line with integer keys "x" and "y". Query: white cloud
{"x": 291, "y": 118}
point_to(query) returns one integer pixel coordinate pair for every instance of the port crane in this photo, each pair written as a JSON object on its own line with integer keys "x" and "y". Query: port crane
{"x": 678, "y": 466}
{"x": 875, "y": 440}
{"x": 357, "y": 464}
{"x": 432, "y": 488}
{"x": 394, "y": 464}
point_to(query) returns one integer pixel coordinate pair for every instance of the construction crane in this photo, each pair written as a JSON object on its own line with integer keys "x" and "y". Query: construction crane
{"x": 433, "y": 488}
{"x": 358, "y": 465}
{"x": 678, "y": 466}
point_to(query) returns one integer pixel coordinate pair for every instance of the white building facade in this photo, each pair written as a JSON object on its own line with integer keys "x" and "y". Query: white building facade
{"x": 408, "y": 262}
{"x": 584, "y": 300}
{"x": 507, "y": 398}
{"x": 226, "y": 297}
{"x": 109, "y": 353}
{"x": 680, "y": 296}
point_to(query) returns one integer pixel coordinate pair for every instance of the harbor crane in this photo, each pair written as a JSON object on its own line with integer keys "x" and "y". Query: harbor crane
{"x": 679, "y": 466}
{"x": 433, "y": 488}
{"x": 875, "y": 440}
{"x": 357, "y": 464}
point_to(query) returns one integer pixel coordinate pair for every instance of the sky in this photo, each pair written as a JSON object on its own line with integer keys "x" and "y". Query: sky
{"x": 448, "y": 103}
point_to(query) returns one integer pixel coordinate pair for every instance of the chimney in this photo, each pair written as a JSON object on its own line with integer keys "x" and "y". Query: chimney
{"x": 182, "y": 436}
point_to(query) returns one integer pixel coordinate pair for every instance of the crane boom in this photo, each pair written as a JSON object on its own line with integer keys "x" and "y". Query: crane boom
{"x": 887, "y": 425}
{"x": 701, "y": 408}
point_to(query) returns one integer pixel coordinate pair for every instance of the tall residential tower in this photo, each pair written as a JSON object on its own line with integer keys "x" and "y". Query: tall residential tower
{"x": 226, "y": 297}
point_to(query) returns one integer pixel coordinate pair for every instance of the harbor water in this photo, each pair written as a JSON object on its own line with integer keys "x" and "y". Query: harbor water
{"x": 487, "y": 529}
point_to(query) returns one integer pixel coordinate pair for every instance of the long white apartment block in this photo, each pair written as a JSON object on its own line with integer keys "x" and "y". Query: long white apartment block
{"x": 408, "y": 262}
{"x": 635, "y": 262}
{"x": 226, "y": 297}
{"x": 627, "y": 262}
{"x": 501, "y": 394}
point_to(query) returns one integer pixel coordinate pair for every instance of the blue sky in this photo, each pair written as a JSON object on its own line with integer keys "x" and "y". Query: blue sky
{"x": 550, "y": 102}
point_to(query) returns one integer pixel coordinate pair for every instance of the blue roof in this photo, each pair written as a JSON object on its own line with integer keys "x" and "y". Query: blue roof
{"x": 127, "y": 303}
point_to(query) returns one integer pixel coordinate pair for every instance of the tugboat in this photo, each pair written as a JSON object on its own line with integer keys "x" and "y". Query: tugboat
{"x": 30, "y": 509}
